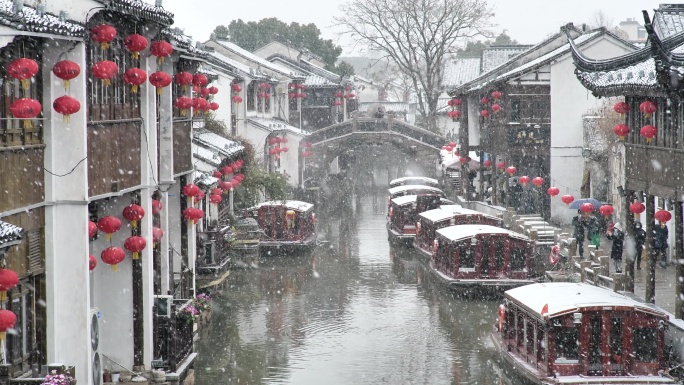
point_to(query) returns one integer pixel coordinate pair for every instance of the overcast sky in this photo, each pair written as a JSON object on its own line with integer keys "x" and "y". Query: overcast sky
{"x": 527, "y": 21}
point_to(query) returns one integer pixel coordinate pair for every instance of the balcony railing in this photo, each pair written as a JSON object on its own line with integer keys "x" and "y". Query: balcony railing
{"x": 173, "y": 337}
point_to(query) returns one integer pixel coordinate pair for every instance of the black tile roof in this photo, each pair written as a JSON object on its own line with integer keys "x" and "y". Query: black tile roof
{"x": 140, "y": 9}
{"x": 30, "y": 20}
{"x": 9, "y": 233}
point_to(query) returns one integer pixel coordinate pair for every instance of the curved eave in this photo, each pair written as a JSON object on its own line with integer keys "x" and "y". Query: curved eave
{"x": 584, "y": 63}
{"x": 619, "y": 89}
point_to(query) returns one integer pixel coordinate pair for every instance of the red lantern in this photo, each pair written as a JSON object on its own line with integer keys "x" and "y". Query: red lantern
{"x": 637, "y": 208}
{"x": 213, "y": 106}
{"x": 511, "y": 170}
{"x": 66, "y": 105}
{"x": 156, "y": 207}
{"x": 66, "y": 70}
{"x": 648, "y": 107}
{"x": 662, "y": 216}
{"x": 485, "y": 100}
{"x": 606, "y": 210}
{"x": 484, "y": 114}
{"x": 236, "y": 87}
{"x": 109, "y": 225}
{"x": 7, "y": 321}
{"x": 103, "y": 34}
{"x": 216, "y": 191}
{"x": 190, "y": 191}
{"x": 487, "y": 163}
{"x": 204, "y": 92}
{"x": 161, "y": 49}
{"x": 199, "y": 105}
{"x": 217, "y": 174}
{"x": 160, "y": 79}
{"x": 200, "y": 196}
{"x": 337, "y": 103}
{"x": 226, "y": 170}
{"x": 553, "y": 191}
{"x": 213, "y": 90}
{"x": 538, "y": 181}
{"x": 8, "y": 281}
{"x": 501, "y": 165}
{"x": 92, "y": 262}
{"x": 27, "y": 109}
{"x": 226, "y": 186}
{"x": 237, "y": 99}
{"x": 135, "y": 245}
{"x": 157, "y": 235}
{"x": 135, "y": 43}
{"x": 621, "y": 108}
{"x": 133, "y": 213}
{"x": 184, "y": 103}
{"x": 648, "y": 132}
{"x": 190, "y": 215}
{"x": 215, "y": 199}
{"x": 113, "y": 256}
{"x": 199, "y": 80}
{"x": 105, "y": 70}
{"x": 92, "y": 229}
{"x": 183, "y": 79}
{"x": 567, "y": 199}
{"x": 454, "y": 115}
{"x": 496, "y": 107}
{"x": 524, "y": 179}
{"x": 285, "y": 149}
{"x": 621, "y": 130}
{"x": 586, "y": 208}
{"x": 457, "y": 102}
{"x": 497, "y": 95}
{"x": 462, "y": 159}
{"x": 135, "y": 77}
{"x": 23, "y": 69}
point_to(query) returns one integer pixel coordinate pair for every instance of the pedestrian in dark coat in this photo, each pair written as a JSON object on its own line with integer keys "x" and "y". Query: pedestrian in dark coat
{"x": 639, "y": 239}
{"x": 579, "y": 223}
{"x": 618, "y": 238}
{"x": 593, "y": 231}
{"x": 660, "y": 237}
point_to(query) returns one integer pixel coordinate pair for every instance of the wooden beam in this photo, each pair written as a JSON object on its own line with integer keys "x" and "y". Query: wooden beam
{"x": 650, "y": 253}
{"x": 679, "y": 257}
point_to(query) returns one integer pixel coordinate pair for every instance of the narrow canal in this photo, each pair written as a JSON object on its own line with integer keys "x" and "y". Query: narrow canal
{"x": 354, "y": 312}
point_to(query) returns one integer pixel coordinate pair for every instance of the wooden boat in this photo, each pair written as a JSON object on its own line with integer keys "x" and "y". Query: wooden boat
{"x": 246, "y": 243}
{"x": 474, "y": 258}
{"x": 446, "y": 215}
{"x": 399, "y": 191}
{"x": 414, "y": 180}
{"x": 287, "y": 226}
{"x": 403, "y": 214}
{"x": 576, "y": 333}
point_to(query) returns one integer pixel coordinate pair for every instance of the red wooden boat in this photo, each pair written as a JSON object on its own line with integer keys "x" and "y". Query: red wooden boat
{"x": 287, "y": 226}
{"x": 576, "y": 333}
{"x": 446, "y": 215}
{"x": 414, "y": 180}
{"x": 474, "y": 258}
{"x": 403, "y": 214}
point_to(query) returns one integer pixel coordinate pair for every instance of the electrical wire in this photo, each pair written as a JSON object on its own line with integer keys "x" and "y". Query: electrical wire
{"x": 50, "y": 172}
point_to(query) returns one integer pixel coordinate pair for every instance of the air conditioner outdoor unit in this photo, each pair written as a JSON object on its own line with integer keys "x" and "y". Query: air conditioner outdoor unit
{"x": 95, "y": 346}
{"x": 163, "y": 305}
{"x": 210, "y": 252}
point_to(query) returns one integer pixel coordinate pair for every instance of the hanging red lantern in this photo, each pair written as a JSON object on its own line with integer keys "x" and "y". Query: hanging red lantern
{"x": 156, "y": 207}
{"x": 273, "y": 151}
{"x": 621, "y": 130}
{"x": 237, "y": 99}
{"x": 190, "y": 215}
{"x": 66, "y": 70}
{"x": 213, "y": 106}
{"x": 236, "y": 87}
{"x": 161, "y": 49}
{"x": 113, "y": 256}
{"x": 272, "y": 140}
{"x": 501, "y": 165}
{"x": 648, "y": 107}
{"x": 109, "y": 225}
{"x": 462, "y": 160}
{"x": 92, "y": 229}
{"x": 183, "y": 79}
{"x": 497, "y": 95}
{"x": 133, "y": 213}
{"x": 105, "y": 70}
{"x": 524, "y": 180}
{"x": 455, "y": 115}
{"x": 135, "y": 77}
{"x": 337, "y": 103}
{"x": 217, "y": 174}
{"x": 586, "y": 208}
{"x": 190, "y": 191}
{"x": 27, "y": 109}
{"x": 103, "y": 34}
{"x": 7, "y": 321}
{"x": 649, "y": 132}
{"x": 183, "y": 103}
{"x": 199, "y": 197}
{"x": 160, "y": 79}
{"x": 92, "y": 262}
{"x": 567, "y": 199}
{"x": 487, "y": 163}
{"x": 553, "y": 191}
{"x": 621, "y": 108}
{"x": 215, "y": 199}
{"x": 199, "y": 80}
{"x": 204, "y": 92}
{"x": 226, "y": 170}
{"x": 135, "y": 43}
{"x": 457, "y": 102}
{"x": 662, "y": 216}
{"x": 198, "y": 214}
{"x": 213, "y": 90}
{"x": 8, "y": 281}
{"x": 484, "y": 113}
{"x": 485, "y": 100}
{"x": 200, "y": 105}
{"x": 226, "y": 186}
{"x": 66, "y": 105}
{"x": 637, "y": 208}
{"x": 135, "y": 245}
{"x": 291, "y": 95}
{"x": 606, "y": 210}
{"x": 511, "y": 170}
{"x": 157, "y": 235}
{"x": 538, "y": 181}
{"x": 496, "y": 107}
{"x": 23, "y": 69}
{"x": 216, "y": 191}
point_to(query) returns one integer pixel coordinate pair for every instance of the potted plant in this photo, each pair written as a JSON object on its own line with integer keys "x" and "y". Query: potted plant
{"x": 58, "y": 379}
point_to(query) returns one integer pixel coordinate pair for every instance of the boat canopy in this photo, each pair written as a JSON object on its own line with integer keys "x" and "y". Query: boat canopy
{"x": 449, "y": 211}
{"x": 567, "y": 297}
{"x": 399, "y": 189}
{"x": 291, "y": 205}
{"x": 458, "y": 232}
{"x": 409, "y": 199}
{"x": 414, "y": 180}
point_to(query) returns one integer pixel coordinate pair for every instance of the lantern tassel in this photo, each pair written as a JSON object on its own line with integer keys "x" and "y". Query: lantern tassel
{"x": 190, "y": 201}
{"x": 184, "y": 88}
{"x": 622, "y": 138}
{"x": 135, "y": 55}
{"x": 136, "y": 255}
{"x": 106, "y": 82}
{"x": 109, "y": 237}
{"x": 104, "y": 46}
{"x": 160, "y": 60}
{"x": 25, "y": 83}
{"x": 648, "y": 140}
{"x": 3, "y": 296}
{"x": 28, "y": 123}
{"x": 66, "y": 118}
{"x": 159, "y": 90}
{"x": 66, "y": 85}
{"x": 115, "y": 268}
{"x": 134, "y": 89}
{"x": 134, "y": 224}
{"x": 2, "y": 337}
{"x": 184, "y": 112}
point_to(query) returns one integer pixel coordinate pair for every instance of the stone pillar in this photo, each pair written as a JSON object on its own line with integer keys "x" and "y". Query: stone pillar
{"x": 66, "y": 222}
{"x": 679, "y": 258}
{"x": 629, "y": 230}
{"x": 651, "y": 261}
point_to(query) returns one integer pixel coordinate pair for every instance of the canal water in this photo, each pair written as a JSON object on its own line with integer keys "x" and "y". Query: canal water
{"x": 355, "y": 311}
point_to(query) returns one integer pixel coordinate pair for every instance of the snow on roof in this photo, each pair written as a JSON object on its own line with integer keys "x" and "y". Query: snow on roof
{"x": 293, "y": 205}
{"x": 493, "y": 56}
{"x": 226, "y": 146}
{"x": 183, "y": 42}
{"x": 450, "y": 211}
{"x": 564, "y": 297}
{"x": 140, "y": 9}
{"x": 457, "y": 232}
{"x": 205, "y": 179}
{"x": 460, "y": 70}
{"x": 257, "y": 59}
{"x": 207, "y": 155}
{"x": 231, "y": 62}
{"x": 387, "y": 106}
{"x": 30, "y": 20}
{"x": 408, "y": 180}
{"x": 321, "y": 71}
{"x": 314, "y": 80}
{"x": 639, "y": 75}
{"x": 10, "y": 233}
{"x": 276, "y": 125}
{"x": 399, "y": 189}
{"x": 669, "y": 20}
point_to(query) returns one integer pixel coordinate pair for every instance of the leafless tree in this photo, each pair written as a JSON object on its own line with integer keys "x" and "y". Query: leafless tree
{"x": 417, "y": 35}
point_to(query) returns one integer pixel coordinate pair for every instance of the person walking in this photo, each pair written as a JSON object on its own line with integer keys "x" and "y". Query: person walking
{"x": 579, "y": 223}
{"x": 618, "y": 238}
{"x": 593, "y": 231}
{"x": 639, "y": 239}
{"x": 660, "y": 244}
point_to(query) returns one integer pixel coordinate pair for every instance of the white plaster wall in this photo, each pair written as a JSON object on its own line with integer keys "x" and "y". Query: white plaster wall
{"x": 474, "y": 121}
{"x": 569, "y": 101}
{"x": 223, "y": 98}
{"x": 174, "y": 235}
{"x": 447, "y": 126}
{"x": 257, "y": 136}
{"x": 289, "y": 161}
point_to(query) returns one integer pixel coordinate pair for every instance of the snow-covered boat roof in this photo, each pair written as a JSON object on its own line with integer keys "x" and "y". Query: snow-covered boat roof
{"x": 414, "y": 180}
{"x": 292, "y": 205}
{"x": 406, "y": 199}
{"x": 457, "y": 232}
{"x": 449, "y": 211}
{"x": 566, "y": 297}
{"x": 410, "y": 187}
